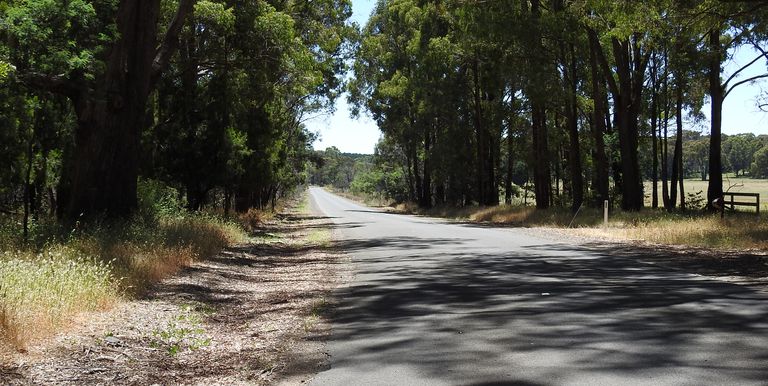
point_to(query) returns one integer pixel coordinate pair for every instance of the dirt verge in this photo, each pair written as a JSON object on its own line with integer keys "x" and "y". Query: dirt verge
{"x": 251, "y": 315}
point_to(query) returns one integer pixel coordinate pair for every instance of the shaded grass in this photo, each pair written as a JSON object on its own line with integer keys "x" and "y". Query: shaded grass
{"x": 62, "y": 273}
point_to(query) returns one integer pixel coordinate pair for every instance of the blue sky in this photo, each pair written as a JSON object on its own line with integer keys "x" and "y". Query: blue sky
{"x": 740, "y": 112}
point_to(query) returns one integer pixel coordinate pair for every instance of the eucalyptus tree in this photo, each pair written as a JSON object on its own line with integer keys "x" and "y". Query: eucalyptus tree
{"x": 727, "y": 26}
{"x": 390, "y": 83}
{"x": 623, "y": 27}
{"x": 106, "y": 57}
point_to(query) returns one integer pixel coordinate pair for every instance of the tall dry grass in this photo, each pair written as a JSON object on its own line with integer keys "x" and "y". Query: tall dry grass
{"x": 38, "y": 292}
{"x": 44, "y": 286}
{"x": 741, "y": 231}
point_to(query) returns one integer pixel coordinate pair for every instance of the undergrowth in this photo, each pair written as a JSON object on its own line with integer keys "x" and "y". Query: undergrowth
{"x": 62, "y": 271}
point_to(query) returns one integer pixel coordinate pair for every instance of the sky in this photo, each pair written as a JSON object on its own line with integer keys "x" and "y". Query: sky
{"x": 740, "y": 112}
{"x": 338, "y": 129}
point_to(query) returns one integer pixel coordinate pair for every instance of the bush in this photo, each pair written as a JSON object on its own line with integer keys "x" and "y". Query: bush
{"x": 156, "y": 199}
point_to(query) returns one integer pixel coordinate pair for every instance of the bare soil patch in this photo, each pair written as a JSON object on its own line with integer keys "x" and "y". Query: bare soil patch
{"x": 251, "y": 315}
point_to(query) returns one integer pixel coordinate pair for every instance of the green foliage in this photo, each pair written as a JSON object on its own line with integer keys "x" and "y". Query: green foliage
{"x": 184, "y": 332}
{"x": 759, "y": 168}
{"x": 52, "y": 37}
{"x": 158, "y": 200}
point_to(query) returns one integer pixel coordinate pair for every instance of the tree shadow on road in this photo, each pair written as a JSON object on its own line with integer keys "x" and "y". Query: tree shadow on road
{"x": 551, "y": 311}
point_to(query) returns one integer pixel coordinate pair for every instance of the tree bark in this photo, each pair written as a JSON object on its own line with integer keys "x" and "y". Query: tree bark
{"x": 716, "y": 93}
{"x": 425, "y": 201}
{"x": 104, "y": 167}
{"x": 668, "y": 204}
{"x": 541, "y": 171}
{"x": 598, "y": 128}
{"x": 679, "y": 145}
{"x": 572, "y": 119}
{"x": 654, "y": 142}
{"x": 542, "y": 175}
{"x": 677, "y": 156}
{"x": 510, "y": 165}
{"x": 480, "y": 135}
{"x": 627, "y": 95}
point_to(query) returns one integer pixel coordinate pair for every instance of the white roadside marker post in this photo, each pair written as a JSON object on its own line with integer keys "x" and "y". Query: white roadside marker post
{"x": 605, "y": 213}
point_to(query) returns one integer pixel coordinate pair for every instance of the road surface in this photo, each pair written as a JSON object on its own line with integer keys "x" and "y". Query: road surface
{"x": 433, "y": 303}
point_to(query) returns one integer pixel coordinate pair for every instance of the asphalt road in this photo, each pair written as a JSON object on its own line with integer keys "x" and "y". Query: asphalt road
{"x": 433, "y": 303}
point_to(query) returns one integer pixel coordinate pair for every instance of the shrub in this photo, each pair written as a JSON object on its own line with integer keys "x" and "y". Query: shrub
{"x": 156, "y": 199}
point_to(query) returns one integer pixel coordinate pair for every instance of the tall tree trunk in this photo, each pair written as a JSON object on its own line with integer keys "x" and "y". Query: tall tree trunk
{"x": 654, "y": 142}
{"x": 493, "y": 164}
{"x": 679, "y": 145}
{"x": 627, "y": 95}
{"x": 416, "y": 174}
{"x": 510, "y": 166}
{"x": 599, "y": 129}
{"x": 425, "y": 200}
{"x": 28, "y": 180}
{"x": 668, "y": 204}
{"x": 542, "y": 175}
{"x": 541, "y": 170}
{"x": 105, "y": 163}
{"x": 677, "y": 172}
{"x": 480, "y": 137}
{"x": 716, "y": 93}
{"x": 572, "y": 121}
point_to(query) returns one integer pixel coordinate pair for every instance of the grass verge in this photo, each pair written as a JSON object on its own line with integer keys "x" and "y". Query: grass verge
{"x": 43, "y": 286}
{"x": 697, "y": 229}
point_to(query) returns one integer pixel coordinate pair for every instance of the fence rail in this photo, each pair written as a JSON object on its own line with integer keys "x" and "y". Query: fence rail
{"x": 732, "y": 203}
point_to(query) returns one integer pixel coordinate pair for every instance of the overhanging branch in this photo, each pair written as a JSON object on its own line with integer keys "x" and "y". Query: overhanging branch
{"x": 171, "y": 40}
{"x": 57, "y": 84}
{"x": 737, "y": 84}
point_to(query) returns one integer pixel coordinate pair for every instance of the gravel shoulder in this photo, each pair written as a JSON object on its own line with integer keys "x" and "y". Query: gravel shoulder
{"x": 741, "y": 266}
{"x": 252, "y": 315}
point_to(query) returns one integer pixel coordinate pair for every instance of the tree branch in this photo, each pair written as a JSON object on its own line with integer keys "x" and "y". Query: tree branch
{"x": 607, "y": 73}
{"x": 756, "y": 77}
{"x": 737, "y": 72}
{"x": 57, "y": 84}
{"x": 171, "y": 39}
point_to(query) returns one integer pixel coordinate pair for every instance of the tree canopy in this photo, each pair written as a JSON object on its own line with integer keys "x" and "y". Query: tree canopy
{"x": 587, "y": 96}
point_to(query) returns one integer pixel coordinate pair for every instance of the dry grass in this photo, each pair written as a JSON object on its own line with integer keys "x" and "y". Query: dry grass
{"x": 736, "y": 231}
{"x": 253, "y": 218}
{"x": 732, "y": 184}
{"x": 40, "y": 291}
{"x": 374, "y": 201}
{"x": 92, "y": 269}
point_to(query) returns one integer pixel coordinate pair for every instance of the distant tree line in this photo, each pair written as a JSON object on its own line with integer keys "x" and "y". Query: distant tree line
{"x": 207, "y": 96}
{"x": 365, "y": 174}
{"x": 744, "y": 155}
{"x": 581, "y": 100}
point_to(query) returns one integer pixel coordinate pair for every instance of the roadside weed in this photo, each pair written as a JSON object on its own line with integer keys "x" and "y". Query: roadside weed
{"x": 184, "y": 332}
